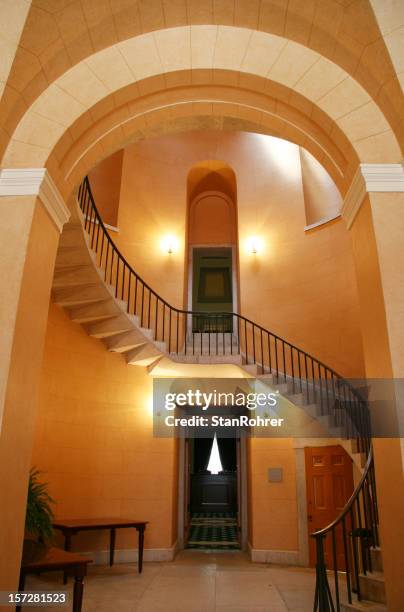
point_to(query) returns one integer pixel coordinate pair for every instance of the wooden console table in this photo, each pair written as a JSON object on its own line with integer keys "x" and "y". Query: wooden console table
{"x": 70, "y": 527}
{"x": 55, "y": 559}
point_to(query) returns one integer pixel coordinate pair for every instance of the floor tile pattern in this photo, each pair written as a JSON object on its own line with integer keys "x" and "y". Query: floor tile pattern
{"x": 213, "y": 530}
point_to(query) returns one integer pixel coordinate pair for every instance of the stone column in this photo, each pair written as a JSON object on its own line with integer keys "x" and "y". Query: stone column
{"x": 32, "y": 214}
{"x": 374, "y": 211}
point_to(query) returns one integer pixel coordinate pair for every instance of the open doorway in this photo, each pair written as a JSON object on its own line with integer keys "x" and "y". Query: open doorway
{"x": 213, "y": 493}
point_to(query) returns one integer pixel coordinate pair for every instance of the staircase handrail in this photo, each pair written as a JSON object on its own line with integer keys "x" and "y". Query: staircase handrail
{"x": 357, "y": 525}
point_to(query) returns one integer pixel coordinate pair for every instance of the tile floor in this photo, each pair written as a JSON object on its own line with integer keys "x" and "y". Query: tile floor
{"x": 196, "y": 581}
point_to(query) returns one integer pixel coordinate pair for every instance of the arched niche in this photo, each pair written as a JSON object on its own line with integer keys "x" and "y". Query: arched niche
{"x": 212, "y": 238}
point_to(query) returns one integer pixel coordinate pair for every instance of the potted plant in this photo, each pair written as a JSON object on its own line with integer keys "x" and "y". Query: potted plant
{"x": 38, "y": 519}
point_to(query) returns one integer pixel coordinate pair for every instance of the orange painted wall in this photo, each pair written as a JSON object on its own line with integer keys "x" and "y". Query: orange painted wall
{"x": 95, "y": 442}
{"x": 302, "y": 286}
{"x": 105, "y": 181}
{"x": 273, "y": 506}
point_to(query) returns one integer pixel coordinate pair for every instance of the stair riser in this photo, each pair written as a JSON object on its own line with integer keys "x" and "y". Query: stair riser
{"x": 94, "y": 312}
{"x": 125, "y": 342}
{"x": 75, "y": 277}
{"x": 377, "y": 559}
{"x": 69, "y": 298}
{"x": 114, "y": 326}
{"x": 371, "y": 589}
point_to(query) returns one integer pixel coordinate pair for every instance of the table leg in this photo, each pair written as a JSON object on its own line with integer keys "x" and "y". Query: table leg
{"x": 77, "y": 593}
{"x": 141, "y": 544}
{"x": 68, "y": 545}
{"x": 112, "y": 546}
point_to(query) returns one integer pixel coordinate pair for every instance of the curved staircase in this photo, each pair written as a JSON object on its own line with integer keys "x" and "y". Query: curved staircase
{"x": 103, "y": 293}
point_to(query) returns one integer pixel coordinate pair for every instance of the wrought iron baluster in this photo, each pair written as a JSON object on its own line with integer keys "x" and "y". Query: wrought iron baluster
{"x": 262, "y": 353}
{"x": 245, "y": 341}
{"x": 276, "y": 359}
{"x": 253, "y": 339}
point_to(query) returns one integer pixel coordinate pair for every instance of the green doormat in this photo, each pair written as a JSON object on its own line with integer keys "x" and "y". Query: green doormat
{"x": 213, "y": 530}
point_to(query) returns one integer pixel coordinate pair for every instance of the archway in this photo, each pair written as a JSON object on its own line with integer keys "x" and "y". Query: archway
{"x": 212, "y": 239}
{"x": 39, "y": 117}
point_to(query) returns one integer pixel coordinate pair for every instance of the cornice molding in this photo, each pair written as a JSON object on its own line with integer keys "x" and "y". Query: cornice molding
{"x": 371, "y": 178}
{"x": 383, "y": 177}
{"x": 35, "y": 182}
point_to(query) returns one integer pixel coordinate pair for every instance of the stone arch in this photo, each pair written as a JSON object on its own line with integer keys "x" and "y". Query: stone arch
{"x": 195, "y": 107}
{"x": 237, "y": 50}
{"x": 59, "y": 35}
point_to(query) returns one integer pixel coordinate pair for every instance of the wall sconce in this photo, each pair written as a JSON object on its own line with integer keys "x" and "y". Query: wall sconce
{"x": 169, "y": 244}
{"x": 254, "y": 245}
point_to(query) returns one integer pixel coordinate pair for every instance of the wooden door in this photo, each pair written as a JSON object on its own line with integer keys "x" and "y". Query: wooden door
{"x": 329, "y": 482}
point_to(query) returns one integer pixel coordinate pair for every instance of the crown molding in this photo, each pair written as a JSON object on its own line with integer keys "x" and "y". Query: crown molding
{"x": 371, "y": 178}
{"x": 35, "y": 182}
{"x": 383, "y": 177}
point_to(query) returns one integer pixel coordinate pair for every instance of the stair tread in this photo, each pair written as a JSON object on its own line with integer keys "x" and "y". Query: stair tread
{"x": 375, "y": 575}
{"x": 364, "y": 604}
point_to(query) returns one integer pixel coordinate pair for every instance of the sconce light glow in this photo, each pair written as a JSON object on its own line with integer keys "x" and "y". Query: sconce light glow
{"x": 254, "y": 245}
{"x": 169, "y": 244}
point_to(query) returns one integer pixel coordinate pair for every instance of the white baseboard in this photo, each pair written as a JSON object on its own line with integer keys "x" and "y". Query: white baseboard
{"x": 283, "y": 557}
{"x": 130, "y": 555}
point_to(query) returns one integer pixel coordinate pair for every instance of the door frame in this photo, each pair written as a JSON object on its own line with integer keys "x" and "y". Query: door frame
{"x": 184, "y": 488}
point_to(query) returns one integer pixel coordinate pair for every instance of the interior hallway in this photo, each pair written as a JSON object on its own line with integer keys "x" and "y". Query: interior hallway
{"x": 197, "y": 581}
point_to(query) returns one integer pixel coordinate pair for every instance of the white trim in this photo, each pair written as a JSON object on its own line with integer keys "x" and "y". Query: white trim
{"x": 383, "y": 177}
{"x": 283, "y": 557}
{"x": 371, "y": 178}
{"x": 35, "y": 182}
{"x": 130, "y": 555}
{"x": 354, "y": 198}
{"x": 322, "y": 221}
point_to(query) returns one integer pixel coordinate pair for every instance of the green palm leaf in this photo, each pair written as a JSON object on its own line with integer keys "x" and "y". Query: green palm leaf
{"x": 39, "y": 515}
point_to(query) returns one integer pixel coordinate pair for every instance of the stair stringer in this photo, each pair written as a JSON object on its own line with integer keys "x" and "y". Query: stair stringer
{"x": 80, "y": 287}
